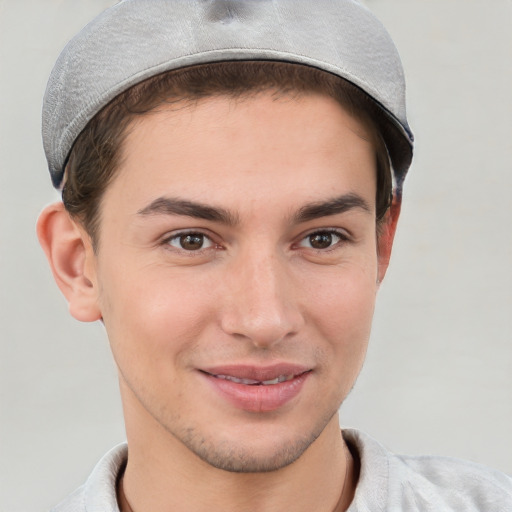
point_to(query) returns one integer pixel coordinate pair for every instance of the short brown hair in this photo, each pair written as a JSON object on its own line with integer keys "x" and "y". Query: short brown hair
{"x": 97, "y": 154}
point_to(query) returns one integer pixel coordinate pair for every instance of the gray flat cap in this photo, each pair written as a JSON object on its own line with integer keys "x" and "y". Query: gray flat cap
{"x": 137, "y": 39}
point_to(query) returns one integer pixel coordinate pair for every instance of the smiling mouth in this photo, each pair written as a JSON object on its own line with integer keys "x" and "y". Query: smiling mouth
{"x": 253, "y": 382}
{"x": 258, "y": 389}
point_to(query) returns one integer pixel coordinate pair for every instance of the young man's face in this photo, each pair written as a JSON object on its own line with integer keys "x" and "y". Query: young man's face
{"x": 236, "y": 275}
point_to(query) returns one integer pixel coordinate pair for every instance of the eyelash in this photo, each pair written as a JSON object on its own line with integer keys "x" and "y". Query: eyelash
{"x": 340, "y": 235}
{"x": 177, "y": 236}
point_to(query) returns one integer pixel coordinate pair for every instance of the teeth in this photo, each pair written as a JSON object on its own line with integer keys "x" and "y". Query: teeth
{"x": 277, "y": 380}
{"x": 252, "y": 382}
{"x": 249, "y": 382}
{"x": 270, "y": 382}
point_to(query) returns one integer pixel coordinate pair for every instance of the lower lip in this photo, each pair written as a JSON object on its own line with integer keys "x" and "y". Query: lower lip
{"x": 258, "y": 398}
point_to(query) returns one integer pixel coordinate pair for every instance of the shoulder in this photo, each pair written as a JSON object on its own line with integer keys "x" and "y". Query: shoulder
{"x": 450, "y": 483}
{"x": 73, "y": 503}
{"x": 98, "y": 493}
{"x": 426, "y": 483}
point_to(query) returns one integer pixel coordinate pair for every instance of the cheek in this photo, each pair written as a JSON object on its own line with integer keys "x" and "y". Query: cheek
{"x": 154, "y": 315}
{"x": 345, "y": 293}
{"x": 347, "y": 315}
{"x": 341, "y": 307}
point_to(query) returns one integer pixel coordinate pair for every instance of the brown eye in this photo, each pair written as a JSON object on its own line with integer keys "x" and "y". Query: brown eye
{"x": 321, "y": 240}
{"x": 190, "y": 241}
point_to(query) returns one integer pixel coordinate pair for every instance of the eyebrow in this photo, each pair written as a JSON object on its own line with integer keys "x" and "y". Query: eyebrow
{"x": 333, "y": 206}
{"x": 311, "y": 211}
{"x": 174, "y": 206}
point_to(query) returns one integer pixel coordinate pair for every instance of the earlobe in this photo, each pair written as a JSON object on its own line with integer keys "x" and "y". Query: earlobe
{"x": 71, "y": 258}
{"x": 386, "y": 236}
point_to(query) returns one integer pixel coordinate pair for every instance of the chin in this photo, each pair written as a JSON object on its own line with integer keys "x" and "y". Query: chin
{"x": 261, "y": 451}
{"x": 235, "y": 458}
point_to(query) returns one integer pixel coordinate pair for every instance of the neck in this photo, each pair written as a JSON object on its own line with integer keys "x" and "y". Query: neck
{"x": 163, "y": 476}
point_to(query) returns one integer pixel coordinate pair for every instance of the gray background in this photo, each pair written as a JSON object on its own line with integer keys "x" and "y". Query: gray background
{"x": 438, "y": 377}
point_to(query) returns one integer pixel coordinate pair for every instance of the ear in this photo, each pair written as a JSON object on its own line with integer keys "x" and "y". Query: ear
{"x": 386, "y": 236}
{"x": 72, "y": 261}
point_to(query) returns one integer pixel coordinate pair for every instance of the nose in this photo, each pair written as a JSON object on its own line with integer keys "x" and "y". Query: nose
{"x": 262, "y": 302}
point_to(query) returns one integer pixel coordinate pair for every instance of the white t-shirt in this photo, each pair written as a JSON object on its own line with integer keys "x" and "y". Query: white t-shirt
{"x": 387, "y": 483}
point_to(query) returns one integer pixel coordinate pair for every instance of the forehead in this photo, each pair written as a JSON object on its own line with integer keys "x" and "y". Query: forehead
{"x": 252, "y": 148}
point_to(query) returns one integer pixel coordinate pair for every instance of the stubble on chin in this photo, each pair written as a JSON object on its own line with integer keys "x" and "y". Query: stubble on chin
{"x": 229, "y": 456}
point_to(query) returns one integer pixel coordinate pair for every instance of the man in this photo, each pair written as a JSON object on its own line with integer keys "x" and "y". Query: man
{"x": 231, "y": 175}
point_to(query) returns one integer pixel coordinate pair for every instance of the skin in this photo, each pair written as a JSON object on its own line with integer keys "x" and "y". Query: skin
{"x": 256, "y": 289}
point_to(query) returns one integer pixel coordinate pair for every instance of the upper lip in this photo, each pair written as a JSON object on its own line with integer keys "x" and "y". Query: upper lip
{"x": 257, "y": 373}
